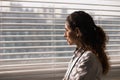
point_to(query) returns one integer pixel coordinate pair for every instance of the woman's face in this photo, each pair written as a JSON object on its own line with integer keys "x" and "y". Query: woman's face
{"x": 70, "y": 35}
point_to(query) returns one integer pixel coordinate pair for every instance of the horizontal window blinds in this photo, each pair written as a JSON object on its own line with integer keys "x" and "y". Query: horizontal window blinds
{"x": 32, "y": 41}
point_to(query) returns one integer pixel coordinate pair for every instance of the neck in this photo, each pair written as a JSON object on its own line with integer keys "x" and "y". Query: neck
{"x": 78, "y": 45}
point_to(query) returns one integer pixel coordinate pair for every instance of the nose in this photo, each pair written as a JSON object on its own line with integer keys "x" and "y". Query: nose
{"x": 65, "y": 34}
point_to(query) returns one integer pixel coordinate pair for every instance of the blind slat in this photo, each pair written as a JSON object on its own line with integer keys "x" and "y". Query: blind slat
{"x": 51, "y": 52}
{"x": 75, "y": 3}
{"x": 16, "y": 12}
{"x": 113, "y": 10}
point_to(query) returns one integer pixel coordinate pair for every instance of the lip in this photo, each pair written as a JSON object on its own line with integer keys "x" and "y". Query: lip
{"x": 67, "y": 40}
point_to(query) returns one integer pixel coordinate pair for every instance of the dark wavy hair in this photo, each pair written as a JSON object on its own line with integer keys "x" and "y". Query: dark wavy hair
{"x": 93, "y": 37}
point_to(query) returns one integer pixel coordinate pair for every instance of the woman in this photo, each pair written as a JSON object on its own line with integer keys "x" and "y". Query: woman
{"x": 89, "y": 61}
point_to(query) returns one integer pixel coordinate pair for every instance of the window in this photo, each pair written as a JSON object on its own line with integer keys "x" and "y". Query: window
{"x": 32, "y": 42}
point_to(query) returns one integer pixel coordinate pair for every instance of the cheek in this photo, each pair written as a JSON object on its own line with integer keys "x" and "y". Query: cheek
{"x": 72, "y": 36}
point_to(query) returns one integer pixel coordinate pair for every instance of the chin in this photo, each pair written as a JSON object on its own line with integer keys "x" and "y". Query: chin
{"x": 70, "y": 43}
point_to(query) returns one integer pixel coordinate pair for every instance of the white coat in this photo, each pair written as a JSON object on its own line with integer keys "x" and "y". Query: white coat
{"x": 84, "y": 66}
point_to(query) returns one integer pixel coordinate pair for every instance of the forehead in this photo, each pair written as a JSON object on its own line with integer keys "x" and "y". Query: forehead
{"x": 67, "y": 26}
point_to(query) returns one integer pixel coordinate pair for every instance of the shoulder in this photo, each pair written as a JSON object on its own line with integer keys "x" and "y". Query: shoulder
{"x": 88, "y": 55}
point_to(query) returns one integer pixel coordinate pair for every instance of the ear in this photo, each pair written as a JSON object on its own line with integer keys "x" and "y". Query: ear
{"x": 77, "y": 31}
